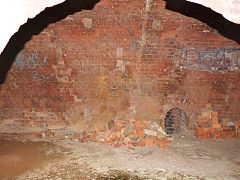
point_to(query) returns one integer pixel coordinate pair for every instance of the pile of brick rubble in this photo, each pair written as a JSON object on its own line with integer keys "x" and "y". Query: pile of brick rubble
{"x": 208, "y": 125}
{"x": 129, "y": 133}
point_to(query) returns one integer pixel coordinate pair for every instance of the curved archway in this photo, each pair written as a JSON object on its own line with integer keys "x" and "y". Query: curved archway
{"x": 34, "y": 26}
{"x": 175, "y": 121}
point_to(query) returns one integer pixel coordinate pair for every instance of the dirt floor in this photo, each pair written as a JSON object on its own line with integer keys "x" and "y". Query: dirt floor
{"x": 184, "y": 158}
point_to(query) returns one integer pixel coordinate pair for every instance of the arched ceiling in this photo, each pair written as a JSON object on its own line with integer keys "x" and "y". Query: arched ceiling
{"x": 14, "y": 13}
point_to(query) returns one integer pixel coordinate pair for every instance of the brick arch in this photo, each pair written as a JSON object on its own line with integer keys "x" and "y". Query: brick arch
{"x": 36, "y": 25}
{"x": 175, "y": 121}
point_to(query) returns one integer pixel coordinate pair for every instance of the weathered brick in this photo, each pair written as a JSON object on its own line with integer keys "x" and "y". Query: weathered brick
{"x": 115, "y": 62}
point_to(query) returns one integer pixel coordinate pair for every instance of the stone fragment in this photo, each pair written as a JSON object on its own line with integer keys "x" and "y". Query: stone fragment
{"x": 43, "y": 135}
{"x": 127, "y": 131}
{"x": 134, "y": 138}
{"x": 126, "y": 140}
{"x": 170, "y": 138}
{"x": 150, "y": 132}
{"x": 122, "y": 130}
{"x": 229, "y": 124}
{"x": 159, "y": 129}
{"x": 87, "y": 22}
{"x": 157, "y": 24}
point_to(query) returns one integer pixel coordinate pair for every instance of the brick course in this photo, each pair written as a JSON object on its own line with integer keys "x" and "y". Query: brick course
{"x": 123, "y": 59}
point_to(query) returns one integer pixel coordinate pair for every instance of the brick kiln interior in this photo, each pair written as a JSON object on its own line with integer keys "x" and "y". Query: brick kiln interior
{"x": 143, "y": 76}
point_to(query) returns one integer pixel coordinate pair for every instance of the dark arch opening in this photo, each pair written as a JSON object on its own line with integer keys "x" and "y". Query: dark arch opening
{"x": 35, "y": 26}
{"x": 213, "y": 19}
{"x": 175, "y": 121}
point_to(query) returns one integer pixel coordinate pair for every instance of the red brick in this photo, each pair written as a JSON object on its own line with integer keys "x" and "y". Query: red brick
{"x": 167, "y": 141}
{"x": 229, "y": 134}
{"x": 208, "y": 106}
{"x": 238, "y": 132}
{"x": 110, "y": 140}
{"x": 117, "y": 145}
{"x": 199, "y": 132}
{"x": 130, "y": 147}
{"x": 141, "y": 143}
{"x": 227, "y": 129}
{"x": 214, "y": 114}
{"x": 93, "y": 136}
{"x": 161, "y": 144}
{"x": 237, "y": 124}
{"x": 216, "y": 126}
{"x": 140, "y": 133}
{"x": 148, "y": 142}
{"x": 206, "y": 113}
{"x": 203, "y": 124}
{"x": 226, "y": 120}
{"x": 159, "y": 136}
{"x": 95, "y": 72}
{"x": 139, "y": 124}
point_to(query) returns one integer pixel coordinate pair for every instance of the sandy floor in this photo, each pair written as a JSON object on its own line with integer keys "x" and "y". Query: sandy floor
{"x": 185, "y": 158}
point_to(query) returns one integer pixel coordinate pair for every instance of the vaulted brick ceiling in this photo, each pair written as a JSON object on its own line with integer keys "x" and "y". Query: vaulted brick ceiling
{"x": 14, "y": 13}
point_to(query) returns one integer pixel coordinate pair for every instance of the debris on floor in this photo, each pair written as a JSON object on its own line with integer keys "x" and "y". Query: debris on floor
{"x": 208, "y": 126}
{"x": 184, "y": 159}
{"x": 129, "y": 133}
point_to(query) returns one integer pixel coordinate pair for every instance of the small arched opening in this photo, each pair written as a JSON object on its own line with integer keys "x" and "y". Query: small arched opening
{"x": 175, "y": 121}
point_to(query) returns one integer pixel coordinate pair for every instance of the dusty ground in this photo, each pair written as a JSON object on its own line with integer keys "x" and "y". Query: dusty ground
{"x": 185, "y": 158}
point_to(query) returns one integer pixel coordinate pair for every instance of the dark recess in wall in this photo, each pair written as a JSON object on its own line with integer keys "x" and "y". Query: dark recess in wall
{"x": 211, "y": 18}
{"x": 35, "y": 26}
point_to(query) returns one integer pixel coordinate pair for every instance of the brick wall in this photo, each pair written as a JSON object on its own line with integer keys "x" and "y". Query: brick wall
{"x": 123, "y": 59}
